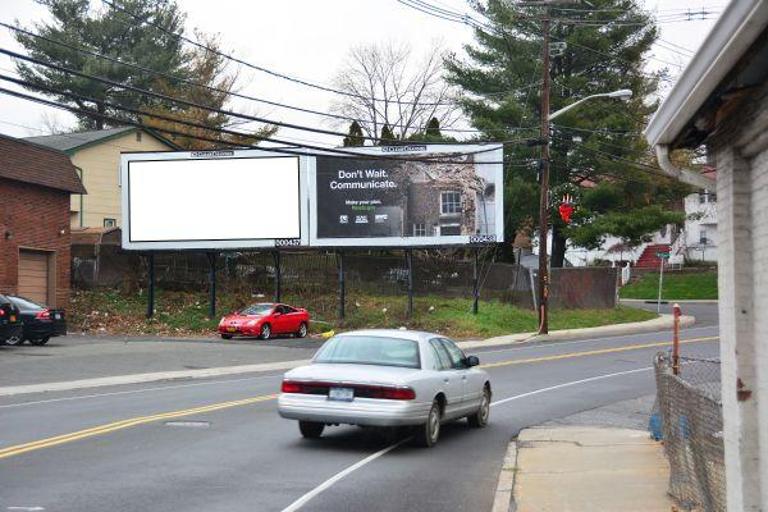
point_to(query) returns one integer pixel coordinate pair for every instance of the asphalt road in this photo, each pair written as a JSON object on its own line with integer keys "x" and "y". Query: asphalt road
{"x": 218, "y": 445}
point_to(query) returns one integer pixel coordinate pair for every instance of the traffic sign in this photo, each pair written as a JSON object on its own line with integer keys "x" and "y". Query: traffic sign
{"x": 662, "y": 255}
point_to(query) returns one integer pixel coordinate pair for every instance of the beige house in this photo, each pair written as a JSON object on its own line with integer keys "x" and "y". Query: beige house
{"x": 96, "y": 156}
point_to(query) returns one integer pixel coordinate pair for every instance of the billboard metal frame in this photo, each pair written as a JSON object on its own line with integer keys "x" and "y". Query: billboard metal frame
{"x": 213, "y": 245}
{"x": 485, "y": 154}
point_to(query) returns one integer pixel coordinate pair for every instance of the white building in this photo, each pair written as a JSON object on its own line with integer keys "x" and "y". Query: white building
{"x": 698, "y": 241}
{"x": 721, "y": 101}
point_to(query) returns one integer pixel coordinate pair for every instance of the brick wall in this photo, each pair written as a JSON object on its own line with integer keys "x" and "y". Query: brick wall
{"x": 34, "y": 215}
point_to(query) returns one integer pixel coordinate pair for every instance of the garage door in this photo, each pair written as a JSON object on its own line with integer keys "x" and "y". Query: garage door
{"x": 33, "y": 275}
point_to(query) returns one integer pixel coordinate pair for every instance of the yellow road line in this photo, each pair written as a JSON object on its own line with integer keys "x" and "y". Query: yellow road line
{"x": 570, "y": 355}
{"x": 49, "y": 442}
{"x": 119, "y": 425}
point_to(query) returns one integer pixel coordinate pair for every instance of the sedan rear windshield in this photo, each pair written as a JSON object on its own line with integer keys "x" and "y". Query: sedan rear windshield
{"x": 26, "y": 304}
{"x": 374, "y": 350}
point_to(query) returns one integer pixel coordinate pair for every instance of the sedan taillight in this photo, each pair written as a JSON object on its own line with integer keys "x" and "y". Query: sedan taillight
{"x": 43, "y": 315}
{"x": 360, "y": 390}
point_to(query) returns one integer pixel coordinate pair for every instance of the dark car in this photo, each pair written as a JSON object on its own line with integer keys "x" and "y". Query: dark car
{"x": 40, "y": 322}
{"x": 10, "y": 322}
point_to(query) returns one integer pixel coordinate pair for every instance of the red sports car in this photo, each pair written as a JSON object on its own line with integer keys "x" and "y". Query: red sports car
{"x": 265, "y": 320}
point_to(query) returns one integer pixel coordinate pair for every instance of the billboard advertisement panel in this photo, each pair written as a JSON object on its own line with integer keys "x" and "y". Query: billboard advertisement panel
{"x": 420, "y": 195}
{"x": 213, "y": 200}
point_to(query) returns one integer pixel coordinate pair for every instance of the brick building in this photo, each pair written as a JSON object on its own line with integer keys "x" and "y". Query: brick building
{"x": 720, "y": 101}
{"x": 35, "y": 187}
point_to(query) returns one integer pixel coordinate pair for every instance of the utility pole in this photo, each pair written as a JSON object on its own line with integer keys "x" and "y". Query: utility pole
{"x": 544, "y": 185}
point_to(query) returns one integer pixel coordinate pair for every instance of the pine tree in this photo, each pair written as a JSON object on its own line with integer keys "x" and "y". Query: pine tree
{"x": 355, "y": 136}
{"x": 599, "y": 142}
{"x": 110, "y": 32}
{"x": 433, "y": 128}
{"x": 387, "y": 136}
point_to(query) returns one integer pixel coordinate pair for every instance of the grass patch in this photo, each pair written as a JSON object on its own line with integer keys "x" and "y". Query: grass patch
{"x": 186, "y": 314}
{"x": 691, "y": 286}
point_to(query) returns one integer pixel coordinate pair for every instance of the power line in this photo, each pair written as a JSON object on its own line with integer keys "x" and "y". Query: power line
{"x": 198, "y": 84}
{"x": 262, "y": 69}
{"x": 208, "y": 128}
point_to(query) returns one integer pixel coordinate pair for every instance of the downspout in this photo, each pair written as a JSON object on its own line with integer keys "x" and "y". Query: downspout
{"x": 687, "y": 176}
{"x": 80, "y": 171}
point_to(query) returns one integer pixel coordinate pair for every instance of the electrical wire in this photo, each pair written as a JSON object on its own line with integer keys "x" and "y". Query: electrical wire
{"x": 255, "y": 67}
{"x": 179, "y": 79}
{"x": 191, "y": 124}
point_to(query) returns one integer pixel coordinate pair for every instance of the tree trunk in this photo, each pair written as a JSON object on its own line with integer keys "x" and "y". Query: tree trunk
{"x": 558, "y": 246}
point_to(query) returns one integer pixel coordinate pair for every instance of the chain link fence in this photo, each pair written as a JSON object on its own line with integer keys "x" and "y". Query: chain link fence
{"x": 692, "y": 424}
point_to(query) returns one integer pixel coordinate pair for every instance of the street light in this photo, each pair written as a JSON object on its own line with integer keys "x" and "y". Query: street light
{"x": 621, "y": 94}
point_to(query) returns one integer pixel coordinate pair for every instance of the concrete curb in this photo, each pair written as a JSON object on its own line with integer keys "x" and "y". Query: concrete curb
{"x": 502, "y": 501}
{"x": 655, "y": 324}
{"x": 141, "y": 378}
{"x": 663, "y": 322}
{"x": 670, "y": 301}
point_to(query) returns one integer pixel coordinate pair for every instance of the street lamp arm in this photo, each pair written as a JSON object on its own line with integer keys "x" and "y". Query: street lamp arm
{"x": 622, "y": 94}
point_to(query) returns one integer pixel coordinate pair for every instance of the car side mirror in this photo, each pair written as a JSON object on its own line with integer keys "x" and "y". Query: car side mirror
{"x": 472, "y": 361}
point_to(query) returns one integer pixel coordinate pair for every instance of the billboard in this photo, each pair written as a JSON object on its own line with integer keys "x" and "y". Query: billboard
{"x": 385, "y": 196}
{"x": 213, "y": 200}
{"x": 421, "y": 195}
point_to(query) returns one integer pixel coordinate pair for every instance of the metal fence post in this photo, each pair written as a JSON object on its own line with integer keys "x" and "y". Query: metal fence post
{"x": 409, "y": 264}
{"x": 150, "y": 285}
{"x": 342, "y": 291}
{"x": 676, "y": 340}
{"x": 278, "y": 276}
{"x": 475, "y": 283}
{"x": 211, "y": 284}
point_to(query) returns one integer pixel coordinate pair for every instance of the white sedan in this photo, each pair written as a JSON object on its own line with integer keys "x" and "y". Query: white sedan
{"x": 387, "y": 378}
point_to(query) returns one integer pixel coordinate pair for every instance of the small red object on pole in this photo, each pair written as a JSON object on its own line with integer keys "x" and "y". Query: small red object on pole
{"x": 676, "y": 340}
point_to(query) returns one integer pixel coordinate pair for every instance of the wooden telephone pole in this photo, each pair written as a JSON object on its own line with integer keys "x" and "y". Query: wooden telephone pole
{"x": 544, "y": 186}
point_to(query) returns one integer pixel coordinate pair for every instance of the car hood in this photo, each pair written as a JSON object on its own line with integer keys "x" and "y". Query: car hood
{"x": 357, "y": 373}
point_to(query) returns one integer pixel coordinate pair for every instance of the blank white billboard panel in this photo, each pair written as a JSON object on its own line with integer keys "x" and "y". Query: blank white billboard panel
{"x": 212, "y": 203}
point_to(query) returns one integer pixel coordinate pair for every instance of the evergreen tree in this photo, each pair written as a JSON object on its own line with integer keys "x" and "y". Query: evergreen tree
{"x": 387, "y": 136}
{"x": 355, "y": 136}
{"x": 599, "y": 142}
{"x": 109, "y": 32}
{"x": 433, "y": 128}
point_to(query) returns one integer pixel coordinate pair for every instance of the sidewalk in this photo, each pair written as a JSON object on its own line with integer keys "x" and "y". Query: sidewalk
{"x": 590, "y": 468}
{"x": 599, "y": 459}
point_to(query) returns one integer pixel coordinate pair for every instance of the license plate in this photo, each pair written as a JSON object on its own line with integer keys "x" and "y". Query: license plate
{"x": 232, "y": 329}
{"x": 342, "y": 394}
{"x": 57, "y": 316}
{"x": 13, "y": 318}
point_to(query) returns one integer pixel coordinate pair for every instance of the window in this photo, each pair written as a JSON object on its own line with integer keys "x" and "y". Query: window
{"x": 442, "y": 359}
{"x": 703, "y": 240}
{"x": 110, "y": 223}
{"x": 419, "y": 229}
{"x": 373, "y": 350}
{"x": 457, "y": 356}
{"x": 450, "y": 229}
{"x": 450, "y": 202}
{"x": 705, "y": 196}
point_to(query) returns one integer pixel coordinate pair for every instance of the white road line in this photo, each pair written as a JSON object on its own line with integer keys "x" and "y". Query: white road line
{"x": 296, "y": 505}
{"x": 568, "y": 384}
{"x": 133, "y": 391}
{"x": 528, "y": 345}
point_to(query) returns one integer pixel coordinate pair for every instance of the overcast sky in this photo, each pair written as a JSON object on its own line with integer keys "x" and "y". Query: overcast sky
{"x": 310, "y": 39}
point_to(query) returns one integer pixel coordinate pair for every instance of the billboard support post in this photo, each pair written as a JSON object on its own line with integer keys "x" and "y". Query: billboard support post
{"x": 211, "y": 284}
{"x": 150, "y": 285}
{"x": 278, "y": 276}
{"x": 342, "y": 291}
{"x": 409, "y": 264}
{"x": 475, "y": 287}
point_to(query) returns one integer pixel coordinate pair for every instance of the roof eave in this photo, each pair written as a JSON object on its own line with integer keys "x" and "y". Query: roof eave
{"x": 736, "y": 29}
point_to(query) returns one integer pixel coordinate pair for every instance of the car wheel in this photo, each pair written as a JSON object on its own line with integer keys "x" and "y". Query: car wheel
{"x": 302, "y": 332}
{"x": 311, "y": 429}
{"x": 428, "y": 434}
{"x": 266, "y": 332}
{"x": 40, "y": 341}
{"x": 226, "y": 336}
{"x": 480, "y": 418}
{"x": 14, "y": 341}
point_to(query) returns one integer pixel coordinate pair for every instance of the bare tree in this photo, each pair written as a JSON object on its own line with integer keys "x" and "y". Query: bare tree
{"x": 388, "y": 87}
